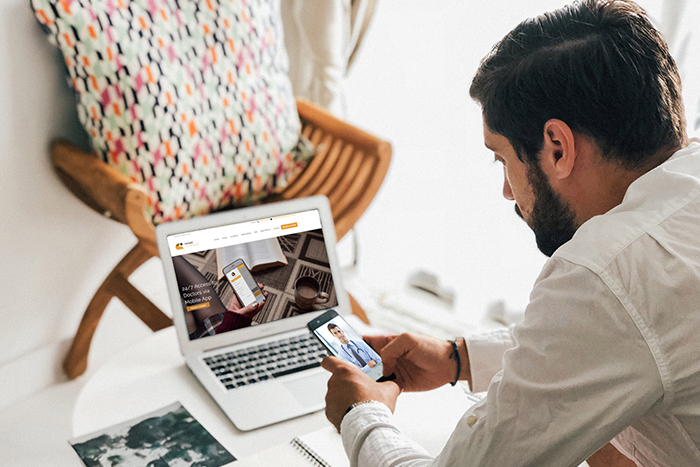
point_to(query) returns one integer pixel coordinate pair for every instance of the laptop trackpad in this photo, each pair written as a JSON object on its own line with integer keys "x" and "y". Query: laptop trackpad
{"x": 309, "y": 391}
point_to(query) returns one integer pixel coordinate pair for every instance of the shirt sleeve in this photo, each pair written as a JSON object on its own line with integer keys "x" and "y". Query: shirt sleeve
{"x": 363, "y": 449}
{"x": 579, "y": 373}
{"x": 485, "y": 356}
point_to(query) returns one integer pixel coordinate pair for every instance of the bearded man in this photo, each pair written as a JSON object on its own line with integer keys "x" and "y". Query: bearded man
{"x": 582, "y": 106}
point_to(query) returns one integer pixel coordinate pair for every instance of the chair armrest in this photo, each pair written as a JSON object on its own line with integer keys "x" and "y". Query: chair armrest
{"x": 103, "y": 188}
{"x": 318, "y": 117}
{"x": 349, "y": 166}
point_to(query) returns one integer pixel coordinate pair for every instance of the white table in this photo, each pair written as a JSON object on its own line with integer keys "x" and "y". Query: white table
{"x": 152, "y": 374}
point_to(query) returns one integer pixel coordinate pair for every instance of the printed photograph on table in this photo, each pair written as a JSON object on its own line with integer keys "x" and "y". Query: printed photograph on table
{"x": 264, "y": 270}
{"x": 167, "y": 437}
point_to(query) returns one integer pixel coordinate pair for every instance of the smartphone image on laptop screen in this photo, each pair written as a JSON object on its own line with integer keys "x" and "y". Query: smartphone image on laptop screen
{"x": 243, "y": 284}
{"x": 343, "y": 341}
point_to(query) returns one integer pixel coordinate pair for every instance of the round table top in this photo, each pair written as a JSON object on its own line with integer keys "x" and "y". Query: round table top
{"x": 152, "y": 374}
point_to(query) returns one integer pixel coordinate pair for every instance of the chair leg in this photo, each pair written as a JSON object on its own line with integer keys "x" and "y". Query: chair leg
{"x": 140, "y": 305}
{"x": 115, "y": 285}
{"x": 357, "y": 310}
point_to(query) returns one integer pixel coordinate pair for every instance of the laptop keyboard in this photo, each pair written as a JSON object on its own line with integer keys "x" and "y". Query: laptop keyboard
{"x": 266, "y": 361}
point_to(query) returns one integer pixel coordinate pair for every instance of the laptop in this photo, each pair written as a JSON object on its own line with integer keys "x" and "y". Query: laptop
{"x": 260, "y": 366}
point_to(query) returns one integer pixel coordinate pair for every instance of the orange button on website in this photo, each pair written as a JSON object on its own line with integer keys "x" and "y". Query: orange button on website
{"x": 289, "y": 226}
{"x": 198, "y": 306}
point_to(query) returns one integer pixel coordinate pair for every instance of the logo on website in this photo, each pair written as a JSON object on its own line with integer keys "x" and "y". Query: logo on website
{"x": 183, "y": 245}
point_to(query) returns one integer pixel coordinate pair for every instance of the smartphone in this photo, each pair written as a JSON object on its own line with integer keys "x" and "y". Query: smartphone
{"x": 342, "y": 341}
{"x": 243, "y": 284}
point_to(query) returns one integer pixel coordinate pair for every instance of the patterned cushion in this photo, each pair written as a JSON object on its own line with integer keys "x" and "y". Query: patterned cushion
{"x": 189, "y": 98}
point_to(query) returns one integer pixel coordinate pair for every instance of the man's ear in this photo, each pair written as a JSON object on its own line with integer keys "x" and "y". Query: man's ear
{"x": 558, "y": 155}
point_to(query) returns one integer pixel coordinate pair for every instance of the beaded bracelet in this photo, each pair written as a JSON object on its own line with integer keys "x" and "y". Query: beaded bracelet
{"x": 455, "y": 356}
{"x": 361, "y": 403}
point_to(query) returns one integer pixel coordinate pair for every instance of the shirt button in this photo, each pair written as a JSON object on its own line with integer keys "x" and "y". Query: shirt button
{"x": 472, "y": 419}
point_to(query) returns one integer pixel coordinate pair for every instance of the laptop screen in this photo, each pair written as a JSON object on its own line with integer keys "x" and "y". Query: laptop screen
{"x": 254, "y": 272}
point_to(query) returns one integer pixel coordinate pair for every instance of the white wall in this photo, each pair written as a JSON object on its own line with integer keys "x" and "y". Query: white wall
{"x": 440, "y": 207}
{"x": 55, "y": 251}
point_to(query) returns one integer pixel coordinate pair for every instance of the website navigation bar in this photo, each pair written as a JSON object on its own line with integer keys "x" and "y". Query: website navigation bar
{"x": 244, "y": 232}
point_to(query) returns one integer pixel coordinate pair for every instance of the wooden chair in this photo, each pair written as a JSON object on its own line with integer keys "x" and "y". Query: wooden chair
{"x": 349, "y": 168}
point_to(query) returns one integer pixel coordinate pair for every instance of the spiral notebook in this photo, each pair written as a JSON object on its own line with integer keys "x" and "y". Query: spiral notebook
{"x": 321, "y": 448}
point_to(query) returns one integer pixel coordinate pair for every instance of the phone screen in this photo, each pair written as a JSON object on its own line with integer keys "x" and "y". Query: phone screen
{"x": 243, "y": 283}
{"x": 342, "y": 341}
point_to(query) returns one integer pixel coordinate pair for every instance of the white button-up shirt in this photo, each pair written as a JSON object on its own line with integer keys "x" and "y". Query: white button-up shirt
{"x": 609, "y": 348}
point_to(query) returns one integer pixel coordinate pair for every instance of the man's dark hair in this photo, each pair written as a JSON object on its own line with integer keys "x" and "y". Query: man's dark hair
{"x": 599, "y": 66}
{"x": 332, "y": 326}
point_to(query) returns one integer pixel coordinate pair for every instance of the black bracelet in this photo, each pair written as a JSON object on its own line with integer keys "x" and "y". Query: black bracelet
{"x": 455, "y": 355}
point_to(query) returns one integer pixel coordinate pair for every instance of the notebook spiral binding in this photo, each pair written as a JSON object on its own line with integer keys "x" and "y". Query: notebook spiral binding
{"x": 309, "y": 453}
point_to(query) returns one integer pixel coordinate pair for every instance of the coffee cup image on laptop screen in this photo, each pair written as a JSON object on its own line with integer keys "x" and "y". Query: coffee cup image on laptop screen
{"x": 307, "y": 293}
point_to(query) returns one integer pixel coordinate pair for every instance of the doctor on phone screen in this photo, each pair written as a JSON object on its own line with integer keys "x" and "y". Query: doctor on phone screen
{"x": 356, "y": 352}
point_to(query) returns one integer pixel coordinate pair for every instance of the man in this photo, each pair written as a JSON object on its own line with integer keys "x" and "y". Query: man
{"x": 583, "y": 108}
{"x": 356, "y": 352}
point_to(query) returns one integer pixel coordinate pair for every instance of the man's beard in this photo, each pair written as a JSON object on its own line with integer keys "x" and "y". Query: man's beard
{"x": 552, "y": 221}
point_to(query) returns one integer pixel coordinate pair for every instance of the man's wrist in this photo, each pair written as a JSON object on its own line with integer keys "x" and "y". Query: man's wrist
{"x": 356, "y": 421}
{"x": 357, "y": 404}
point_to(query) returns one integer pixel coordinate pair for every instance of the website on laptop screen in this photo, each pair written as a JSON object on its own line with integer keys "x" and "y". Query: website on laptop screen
{"x": 225, "y": 273}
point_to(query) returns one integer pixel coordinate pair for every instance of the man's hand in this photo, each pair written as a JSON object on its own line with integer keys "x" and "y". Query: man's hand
{"x": 372, "y": 363}
{"x": 420, "y": 363}
{"x": 349, "y": 384}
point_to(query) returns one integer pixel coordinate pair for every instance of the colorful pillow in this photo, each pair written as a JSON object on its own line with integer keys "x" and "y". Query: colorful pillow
{"x": 189, "y": 98}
